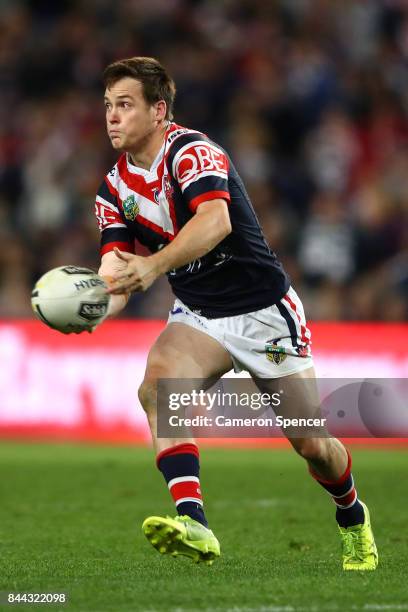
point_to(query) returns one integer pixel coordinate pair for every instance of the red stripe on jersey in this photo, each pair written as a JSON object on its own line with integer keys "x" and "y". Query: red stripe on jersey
{"x": 190, "y": 488}
{"x": 122, "y": 246}
{"x": 207, "y": 197}
{"x": 112, "y": 189}
{"x": 303, "y": 329}
{"x": 179, "y": 449}
{"x": 136, "y": 182}
{"x": 154, "y": 227}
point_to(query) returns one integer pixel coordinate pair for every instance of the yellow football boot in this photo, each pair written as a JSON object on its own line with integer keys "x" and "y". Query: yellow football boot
{"x": 359, "y": 549}
{"x": 182, "y": 536}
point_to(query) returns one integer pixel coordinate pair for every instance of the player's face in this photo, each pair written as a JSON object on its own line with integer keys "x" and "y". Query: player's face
{"x": 129, "y": 119}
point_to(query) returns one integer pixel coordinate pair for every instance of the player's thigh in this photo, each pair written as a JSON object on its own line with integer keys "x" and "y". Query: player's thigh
{"x": 299, "y": 399}
{"x": 182, "y": 351}
{"x": 297, "y": 391}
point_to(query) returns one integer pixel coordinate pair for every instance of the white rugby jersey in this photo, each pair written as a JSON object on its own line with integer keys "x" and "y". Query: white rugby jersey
{"x": 241, "y": 274}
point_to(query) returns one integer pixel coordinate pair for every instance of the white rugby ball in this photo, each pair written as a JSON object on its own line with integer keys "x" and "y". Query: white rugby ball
{"x": 70, "y": 299}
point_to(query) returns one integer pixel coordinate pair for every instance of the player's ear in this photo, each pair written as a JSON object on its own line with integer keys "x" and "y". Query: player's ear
{"x": 160, "y": 110}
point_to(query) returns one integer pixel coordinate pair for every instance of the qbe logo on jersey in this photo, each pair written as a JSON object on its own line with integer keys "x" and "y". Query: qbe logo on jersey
{"x": 195, "y": 161}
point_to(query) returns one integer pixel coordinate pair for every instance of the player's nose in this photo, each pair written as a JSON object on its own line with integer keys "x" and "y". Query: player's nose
{"x": 112, "y": 116}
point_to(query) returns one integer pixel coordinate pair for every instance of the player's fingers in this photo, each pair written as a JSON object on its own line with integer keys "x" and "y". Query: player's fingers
{"x": 125, "y": 286}
{"x": 118, "y": 287}
{"x": 122, "y": 254}
{"x": 120, "y": 290}
{"x": 123, "y": 278}
{"x": 108, "y": 279}
{"x": 125, "y": 281}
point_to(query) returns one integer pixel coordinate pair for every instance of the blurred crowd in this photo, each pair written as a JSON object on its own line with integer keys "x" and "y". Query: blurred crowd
{"x": 310, "y": 98}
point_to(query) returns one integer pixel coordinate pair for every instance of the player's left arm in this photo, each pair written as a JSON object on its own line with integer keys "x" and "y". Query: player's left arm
{"x": 207, "y": 228}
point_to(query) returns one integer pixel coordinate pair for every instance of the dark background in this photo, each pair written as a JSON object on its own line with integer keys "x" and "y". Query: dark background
{"x": 310, "y": 97}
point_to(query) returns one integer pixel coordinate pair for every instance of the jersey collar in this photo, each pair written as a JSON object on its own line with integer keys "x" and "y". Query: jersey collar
{"x": 152, "y": 172}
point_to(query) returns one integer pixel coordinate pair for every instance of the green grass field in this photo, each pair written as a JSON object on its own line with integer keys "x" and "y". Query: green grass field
{"x": 70, "y": 520}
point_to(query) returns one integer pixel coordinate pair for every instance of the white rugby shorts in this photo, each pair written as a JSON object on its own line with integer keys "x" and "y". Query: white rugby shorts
{"x": 267, "y": 343}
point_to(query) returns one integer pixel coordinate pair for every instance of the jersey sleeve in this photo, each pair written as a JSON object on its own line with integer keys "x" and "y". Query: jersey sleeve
{"x": 114, "y": 232}
{"x": 200, "y": 168}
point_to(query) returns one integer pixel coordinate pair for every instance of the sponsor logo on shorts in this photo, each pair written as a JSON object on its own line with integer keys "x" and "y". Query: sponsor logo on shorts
{"x": 275, "y": 353}
{"x": 130, "y": 208}
{"x": 194, "y": 314}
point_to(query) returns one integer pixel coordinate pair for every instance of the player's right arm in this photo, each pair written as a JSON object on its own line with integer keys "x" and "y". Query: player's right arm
{"x": 114, "y": 233}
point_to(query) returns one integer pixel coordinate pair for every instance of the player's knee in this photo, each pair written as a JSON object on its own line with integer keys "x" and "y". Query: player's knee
{"x": 147, "y": 393}
{"x": 157, "y": 369}
{"x": 311, "y": 449}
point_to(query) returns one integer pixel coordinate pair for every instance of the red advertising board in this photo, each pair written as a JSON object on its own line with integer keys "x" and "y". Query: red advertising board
{"x": 84, "y": 387}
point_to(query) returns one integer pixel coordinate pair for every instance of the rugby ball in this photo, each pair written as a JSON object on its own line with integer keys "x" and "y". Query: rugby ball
{"x": 70, "y": 299}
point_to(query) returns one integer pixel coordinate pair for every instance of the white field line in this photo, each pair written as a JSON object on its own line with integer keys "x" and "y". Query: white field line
{"x": 261, "y": 503}
{"x": 368, "y": 607}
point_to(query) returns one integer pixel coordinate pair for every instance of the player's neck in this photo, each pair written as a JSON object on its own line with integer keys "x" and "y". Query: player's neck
{"x": 147, "y": 152}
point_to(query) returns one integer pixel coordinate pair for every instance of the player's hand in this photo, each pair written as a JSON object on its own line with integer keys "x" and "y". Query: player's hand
{"x": 138, "y": 275}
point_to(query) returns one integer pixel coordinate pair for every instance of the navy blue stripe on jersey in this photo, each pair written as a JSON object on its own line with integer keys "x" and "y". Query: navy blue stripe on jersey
{"x": 290, "y": 323}
{"x": 207, "y": 185}
{"x": 180, "y": 142}
{"x": 119, "y": 237}
{"x": 104, "y": 193}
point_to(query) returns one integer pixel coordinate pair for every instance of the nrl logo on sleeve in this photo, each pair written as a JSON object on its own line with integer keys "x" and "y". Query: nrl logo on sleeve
{"x": 130, "y": 208}
{"x": 275, "y": 353}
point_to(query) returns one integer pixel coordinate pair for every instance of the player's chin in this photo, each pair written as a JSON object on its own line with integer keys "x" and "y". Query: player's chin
{"x": 116, "y": 142}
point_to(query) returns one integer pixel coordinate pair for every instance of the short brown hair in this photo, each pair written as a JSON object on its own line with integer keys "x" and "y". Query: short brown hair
{"x": 156, "y": 83}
